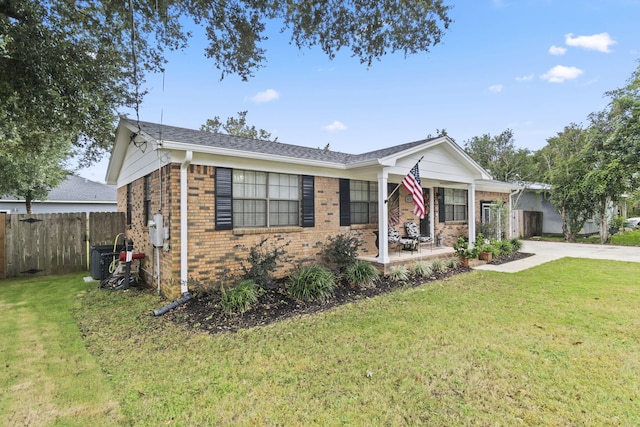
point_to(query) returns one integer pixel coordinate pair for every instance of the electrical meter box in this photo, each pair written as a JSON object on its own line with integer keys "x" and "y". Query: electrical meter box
{"x": 157, "y": 231}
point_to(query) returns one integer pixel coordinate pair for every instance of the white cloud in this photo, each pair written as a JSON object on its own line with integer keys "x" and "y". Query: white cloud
{"x": 266, "y": 96}
{"x": 600, "y": 42}
{"x": 557, "y": 50}
{"x": 560, "y": 74}
{"x": 335, "y": 126}
{"x": 495, "y": 88}
{"x": 525, "y": 78}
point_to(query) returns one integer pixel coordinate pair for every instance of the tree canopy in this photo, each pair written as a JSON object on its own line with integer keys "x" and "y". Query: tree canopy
{"x": 590, "y": 168}
{"x": 70, "y": 66}
{"x": 499, "y": 155}
{"x": 30, "y": 176}
{"x": 236, "y": 126}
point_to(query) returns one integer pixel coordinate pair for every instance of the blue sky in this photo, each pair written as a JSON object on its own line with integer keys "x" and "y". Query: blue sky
{"x": 533, "y": 66}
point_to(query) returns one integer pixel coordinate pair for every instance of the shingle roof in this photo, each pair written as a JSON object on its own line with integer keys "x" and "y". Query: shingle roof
{"x": 220, "y": 140}
{"x": 78, "y": 189}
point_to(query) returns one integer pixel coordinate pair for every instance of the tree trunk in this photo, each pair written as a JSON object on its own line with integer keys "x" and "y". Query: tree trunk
{"x": 566, "y": 230}
{"x": 603, "y": 208}
{"x": 27, "y": 203}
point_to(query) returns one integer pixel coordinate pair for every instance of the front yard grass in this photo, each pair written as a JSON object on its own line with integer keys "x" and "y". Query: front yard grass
{"x": 554, "y": 345}
{"x": 625, "y": 237}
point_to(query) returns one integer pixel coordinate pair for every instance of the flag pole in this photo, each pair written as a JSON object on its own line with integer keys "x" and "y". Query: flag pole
{"x": 398, "y": 186}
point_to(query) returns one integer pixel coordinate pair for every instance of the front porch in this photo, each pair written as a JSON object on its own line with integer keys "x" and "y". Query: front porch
{"x": 407, "y": 258}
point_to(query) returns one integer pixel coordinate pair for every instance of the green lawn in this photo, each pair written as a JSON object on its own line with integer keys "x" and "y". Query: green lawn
{"x": 47, "y": 377}
{"x": 542, "y": 347}
{"x": 624, "y": 238}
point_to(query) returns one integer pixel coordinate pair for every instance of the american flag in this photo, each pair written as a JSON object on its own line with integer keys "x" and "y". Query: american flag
{"x": 412, "y": 183}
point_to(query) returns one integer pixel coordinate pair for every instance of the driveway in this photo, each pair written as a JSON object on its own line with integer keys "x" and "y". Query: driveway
{"x": 549, "y": 251}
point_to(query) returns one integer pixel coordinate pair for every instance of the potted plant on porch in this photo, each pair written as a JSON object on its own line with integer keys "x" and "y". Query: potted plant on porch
{"x": 461, "y": 246}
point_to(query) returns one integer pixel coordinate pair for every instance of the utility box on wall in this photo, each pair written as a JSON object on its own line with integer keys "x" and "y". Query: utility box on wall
{"x": 157, "y": 232}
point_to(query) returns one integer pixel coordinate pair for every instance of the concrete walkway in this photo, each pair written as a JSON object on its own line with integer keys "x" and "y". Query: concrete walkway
{"x": 549, "y": 251}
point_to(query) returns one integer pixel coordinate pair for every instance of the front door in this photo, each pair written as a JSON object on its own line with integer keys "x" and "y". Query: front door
{"x": 425, "y": 223}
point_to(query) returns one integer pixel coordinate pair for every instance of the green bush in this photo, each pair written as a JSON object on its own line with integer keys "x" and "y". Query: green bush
{"x": 311, "y": 283}
{"x": 453, "y": 263}
{"x": 262, "y": 262}
{"x": 421, "y": 269}
{"x": 341, "y": 252}
{"x": 494, "y": 249}
{"x": 516, "y": 243}
{"x": 438, "y": 266}
{"x": 461, "y": 246}
{"x": 361, "y": 273}
{"x": 505, "y": 246}
{"x": 240, "y": 297}
{"x": 399, "y": 273}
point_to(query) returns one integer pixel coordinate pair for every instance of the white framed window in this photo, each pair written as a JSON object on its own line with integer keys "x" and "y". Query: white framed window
{"x": 363, "y": 202}
{"x": 455, "y": 204}
{"x": 264, "y": 199}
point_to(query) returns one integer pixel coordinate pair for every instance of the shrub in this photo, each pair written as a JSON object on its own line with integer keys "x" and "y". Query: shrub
{"x": 516, "y": 243}
{"x": 421, "y": 269}
{"x": 506, "y": 248}
{"x": 263, "y": 262}
{"x": 399, "y": 273}
{"x": 453, "y": 263}
{"x": 361, "y": 273}
{"x": 311, "y": 283}
{"x": 240, "y": 297}
{"x": 461, "y": 246}
{"x": 437, "y": 266}
{"x": 494, "y": 249}
{"x": 340, "y": 252}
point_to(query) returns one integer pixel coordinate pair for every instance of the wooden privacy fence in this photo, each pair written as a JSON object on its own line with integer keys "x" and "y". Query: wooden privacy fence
{"x": 45, "y": 244}
{"x": 527, "y": 223}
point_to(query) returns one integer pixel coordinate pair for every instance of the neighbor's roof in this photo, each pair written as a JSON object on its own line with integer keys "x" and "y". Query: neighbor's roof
{"x": 76, "y": 189}
{"x": 178, "y": 134}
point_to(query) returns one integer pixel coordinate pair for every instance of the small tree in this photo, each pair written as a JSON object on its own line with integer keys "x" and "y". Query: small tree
{"x": 32, "y": 175}
{"x": 565, "y": 169}
{"x": 262, "y": 262}
{"x": 341, "y": 252}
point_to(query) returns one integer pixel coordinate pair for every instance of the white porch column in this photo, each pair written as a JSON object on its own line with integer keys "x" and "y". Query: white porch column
{"x": 432, "y": 226}
{"x": 472, "y": 212}
{"x": 383, "y": 218}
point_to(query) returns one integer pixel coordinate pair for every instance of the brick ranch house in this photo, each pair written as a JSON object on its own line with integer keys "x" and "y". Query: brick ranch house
{"x": 218, "y": 195}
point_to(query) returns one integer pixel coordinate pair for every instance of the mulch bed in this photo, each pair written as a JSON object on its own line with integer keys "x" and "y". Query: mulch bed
{"x": 203, "y": 312}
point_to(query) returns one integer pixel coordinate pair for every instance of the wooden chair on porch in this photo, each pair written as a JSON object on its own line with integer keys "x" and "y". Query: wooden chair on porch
{"x": 413, "y": 232}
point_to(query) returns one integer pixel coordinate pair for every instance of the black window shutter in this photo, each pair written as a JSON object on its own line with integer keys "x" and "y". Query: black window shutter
{"x": 345, "y": 202}
{"x": 224, "y": 198}
{"x": 441, "y": 207}
{"x": 308, "y": 201}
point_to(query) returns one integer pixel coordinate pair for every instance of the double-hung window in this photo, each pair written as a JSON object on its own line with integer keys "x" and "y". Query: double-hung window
{"x": 455, "y": 202}
{"x": 129, "y": 204}
{"x": 264, "y": 199}
{"x": 364, "y": 202}
{"x": 147, "y": 199}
